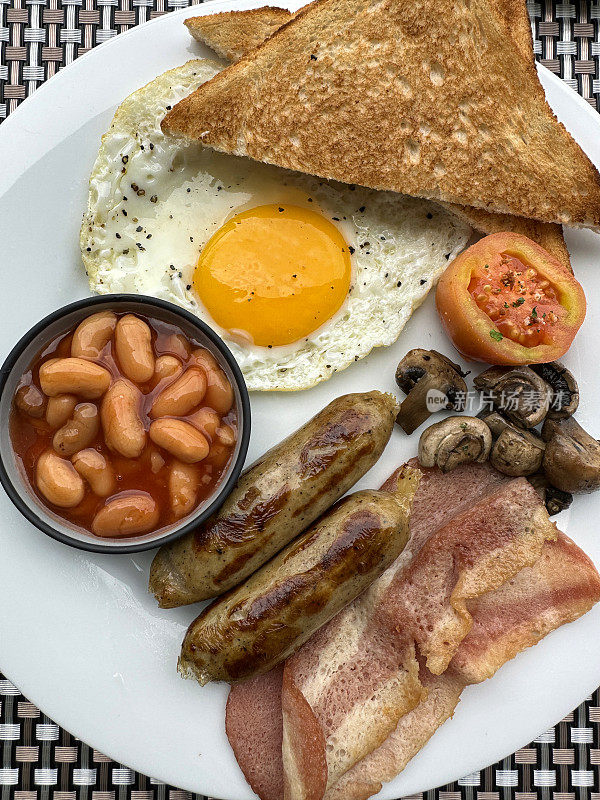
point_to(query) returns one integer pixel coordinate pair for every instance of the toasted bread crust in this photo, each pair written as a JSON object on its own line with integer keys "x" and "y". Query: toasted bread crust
{"x": 546, "y": 234}
{"x": 480, "y": 134}
{"x": 233, "y": 34}
{"x": 514, "y": 15}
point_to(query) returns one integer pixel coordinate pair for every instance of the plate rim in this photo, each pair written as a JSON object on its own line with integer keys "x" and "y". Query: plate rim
{"x": 210, "y": 6}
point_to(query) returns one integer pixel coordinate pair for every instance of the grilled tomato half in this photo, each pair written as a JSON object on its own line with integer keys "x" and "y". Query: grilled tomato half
{"x": 506, "y": 300}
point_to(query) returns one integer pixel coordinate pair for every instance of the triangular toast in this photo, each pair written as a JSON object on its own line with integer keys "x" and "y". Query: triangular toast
{"x": 387, "y": 94}
{"x": 234, "y": 34}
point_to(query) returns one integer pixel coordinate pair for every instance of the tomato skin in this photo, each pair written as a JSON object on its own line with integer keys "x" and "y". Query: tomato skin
{"x": 472, "y": 331}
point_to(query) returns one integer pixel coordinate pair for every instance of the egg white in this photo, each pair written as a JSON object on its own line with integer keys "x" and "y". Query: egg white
{"x": 155, "y": 200}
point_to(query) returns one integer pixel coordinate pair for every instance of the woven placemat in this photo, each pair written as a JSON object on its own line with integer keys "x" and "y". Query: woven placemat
{"x": 39, "y": 760}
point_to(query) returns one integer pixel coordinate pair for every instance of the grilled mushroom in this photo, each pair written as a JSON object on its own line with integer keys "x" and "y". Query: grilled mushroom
{"x": 495, "y": 422}
{"x": 565, "y": 392}
{"x": 432, "y": 383}
{"x": 515, "y": 451}
{"x": 554, "y": 499}
{"x": 572, "y": 456}
{"x": 454, "y": 441}
{"x": 518, "y": 392}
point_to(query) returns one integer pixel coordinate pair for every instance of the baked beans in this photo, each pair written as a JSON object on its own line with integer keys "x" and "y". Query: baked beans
{"x": 123, "y": 425}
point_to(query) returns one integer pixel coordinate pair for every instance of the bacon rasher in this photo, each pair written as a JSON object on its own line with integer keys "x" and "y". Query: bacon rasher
{"x": 357, "y": 705}
{"x": 562, "y": 585}
{"x": 345, "y": 690}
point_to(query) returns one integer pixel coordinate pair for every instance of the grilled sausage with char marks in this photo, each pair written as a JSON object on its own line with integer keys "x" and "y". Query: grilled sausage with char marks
{"x": 276, "y": 499}
{"x": 255, "y": 626}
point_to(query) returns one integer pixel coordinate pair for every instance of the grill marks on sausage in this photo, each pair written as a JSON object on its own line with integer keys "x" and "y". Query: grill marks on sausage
{"x": 267, "y": 624}
{"x": 334, "y": 477}
{"x": 241, "y": 528}
{"x": 251, "y": 516}
{"x": 254, "y": 512}
{"x": 355, "y": 532}
{"x": 358, "y": 534}
{"x": 324, "y": 447}
{"x": 329, "y": 445}
{"x": 357, "y": 549}
{"x": 362, "y": 533}
{"x": 251, "y": 496}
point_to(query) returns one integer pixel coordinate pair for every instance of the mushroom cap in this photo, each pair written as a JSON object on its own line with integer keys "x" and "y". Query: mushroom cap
{"x": 564, "y": 400}
{"x": 495, "y": 421}
{"x": 516, "y": 452}
{"x": 453, "y": 441}
{"x": 432, "y": 383}
{"x": 521, "y": 394}
{"x": 572, "y": 457}
{"x": 417, "y": 362}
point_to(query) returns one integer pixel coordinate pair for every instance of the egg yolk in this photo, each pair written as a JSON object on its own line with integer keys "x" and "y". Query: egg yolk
{"x": 275, "y": 273}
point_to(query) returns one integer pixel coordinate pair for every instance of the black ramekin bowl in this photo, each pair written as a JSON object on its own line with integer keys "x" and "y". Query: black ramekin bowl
{"x": 61, "y": 321}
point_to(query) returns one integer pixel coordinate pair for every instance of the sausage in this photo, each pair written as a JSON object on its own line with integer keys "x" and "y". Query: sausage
{"x": 257, "y": 625}
{"x": 274, "y": 500}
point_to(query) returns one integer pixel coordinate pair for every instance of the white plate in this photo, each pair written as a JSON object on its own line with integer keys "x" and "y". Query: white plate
{"x": 79, "y": 634}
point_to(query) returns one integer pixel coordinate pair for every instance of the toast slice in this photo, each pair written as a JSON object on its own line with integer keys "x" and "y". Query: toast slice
{"x": 447, "y": 110}
{"x": 547, "y": 234}
{"x": 234, "y": 34}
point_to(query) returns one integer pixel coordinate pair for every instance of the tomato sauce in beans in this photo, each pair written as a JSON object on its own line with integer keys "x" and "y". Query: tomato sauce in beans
{"x": 123, "y": 425}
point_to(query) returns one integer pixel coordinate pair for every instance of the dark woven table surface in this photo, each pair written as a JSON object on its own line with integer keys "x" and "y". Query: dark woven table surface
{"x": 39, "y": 760}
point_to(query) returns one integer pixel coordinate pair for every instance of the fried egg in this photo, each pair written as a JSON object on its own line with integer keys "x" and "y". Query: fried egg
{"x": 301, "y": 277}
